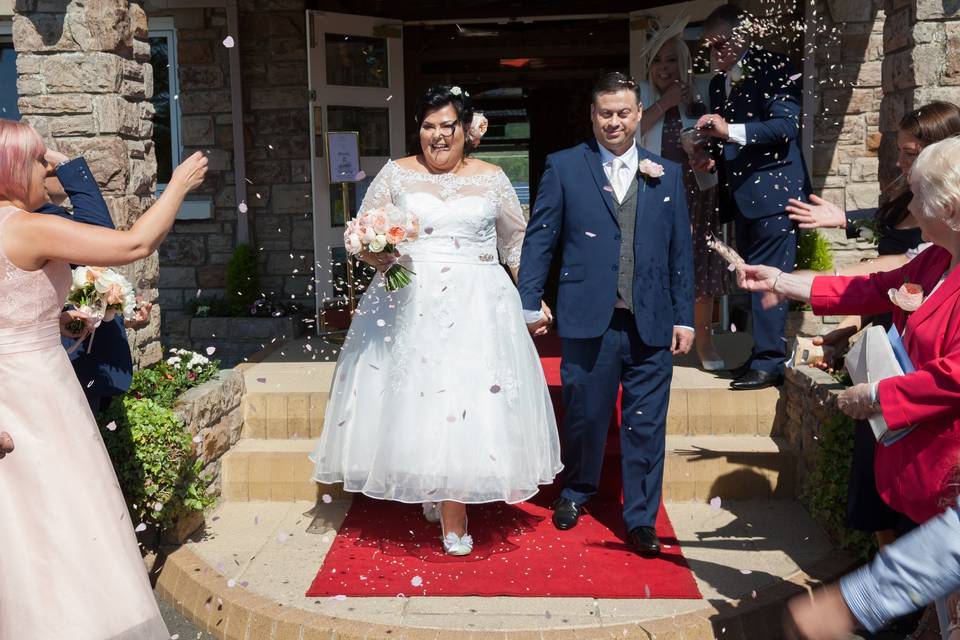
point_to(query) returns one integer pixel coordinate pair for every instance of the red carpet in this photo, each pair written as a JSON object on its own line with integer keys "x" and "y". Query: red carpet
{"x": 387, "y": 548}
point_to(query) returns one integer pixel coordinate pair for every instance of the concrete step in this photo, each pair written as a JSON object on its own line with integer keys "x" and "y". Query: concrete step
{"x": 700, "y": 404}
{"x": 697, "y": 468}
{"x": 247, "y": 576}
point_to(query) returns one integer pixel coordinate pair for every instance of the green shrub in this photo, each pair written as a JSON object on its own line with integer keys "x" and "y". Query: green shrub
{"x": 163, "y": 383}
{"x": 813, "y": 252}
{"x": 243, "y": 277}
{"x": 825, "y": 491}
{"x": 152, "y": 453}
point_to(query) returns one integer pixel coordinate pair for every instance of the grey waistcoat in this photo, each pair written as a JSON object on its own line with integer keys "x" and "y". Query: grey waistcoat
{"x": 627, "y": 215}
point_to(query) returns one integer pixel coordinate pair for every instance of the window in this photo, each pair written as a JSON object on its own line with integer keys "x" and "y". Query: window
{"x": 166, "y": 119}
{"x": 8, "y": 75}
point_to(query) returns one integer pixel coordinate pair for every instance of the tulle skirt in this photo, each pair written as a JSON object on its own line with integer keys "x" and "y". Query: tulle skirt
{"x": 69, "y": 562}
{"x": 439, "y": 394}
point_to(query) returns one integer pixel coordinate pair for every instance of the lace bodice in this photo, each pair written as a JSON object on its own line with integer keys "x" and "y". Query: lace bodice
{"x": 30, "y": 297}
{"x": 467, "y": 219}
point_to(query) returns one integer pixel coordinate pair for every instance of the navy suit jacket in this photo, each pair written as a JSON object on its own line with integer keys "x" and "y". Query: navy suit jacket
{"x": 770, "y": 169}
{"x": 576, "y": 207}
{"x": 109, "y": 364}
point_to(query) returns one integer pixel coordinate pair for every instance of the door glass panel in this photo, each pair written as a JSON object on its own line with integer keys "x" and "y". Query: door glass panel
{"x": 372, "y": 123}
{"x": 356, "y": 61}
{"x": 356, "y": 192}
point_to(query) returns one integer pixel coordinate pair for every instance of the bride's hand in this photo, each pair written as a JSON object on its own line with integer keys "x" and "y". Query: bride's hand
{"x": 6, "y": 443}
{"x": 547, "y": 313}
{"x": 381, "y": 261}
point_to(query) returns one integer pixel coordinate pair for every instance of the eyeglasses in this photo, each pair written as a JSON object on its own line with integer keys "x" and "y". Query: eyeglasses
{"x": 447, "y": 129}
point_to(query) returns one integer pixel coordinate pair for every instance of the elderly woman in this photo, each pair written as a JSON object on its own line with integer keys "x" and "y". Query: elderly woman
{"x": 913, "y": 474}
{"x": 673, "y": 100}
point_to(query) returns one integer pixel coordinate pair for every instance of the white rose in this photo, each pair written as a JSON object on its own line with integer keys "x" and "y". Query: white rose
{"x": 109, "y": 278}
{"x": 352, "y": 244}
{"x": 378, "y": 244}
{"x": 368, "y": 235}
{"x": 79, "y": 277}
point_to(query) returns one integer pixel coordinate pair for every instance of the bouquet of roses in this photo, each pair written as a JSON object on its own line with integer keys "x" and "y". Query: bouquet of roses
{"x": 381, "y": 230}
{"x": 98, "y": 294}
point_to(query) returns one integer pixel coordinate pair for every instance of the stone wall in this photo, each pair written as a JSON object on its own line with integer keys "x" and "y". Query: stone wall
{"x": 921, "y": 63}
{"x": 848, "y": 56}
{"x": 84, "y": 82}
{"x": 194, "y": 256}
{"x": 811, "y": 400}
{"x": 214, "y": 418}
{"x": 273, "y": 55}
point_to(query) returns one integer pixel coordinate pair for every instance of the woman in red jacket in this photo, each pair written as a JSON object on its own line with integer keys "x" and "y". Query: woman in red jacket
{"x": 914, "y": 473}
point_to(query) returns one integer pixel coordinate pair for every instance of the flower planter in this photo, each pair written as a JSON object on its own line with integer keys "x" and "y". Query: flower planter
{"x": 236, "y": 338}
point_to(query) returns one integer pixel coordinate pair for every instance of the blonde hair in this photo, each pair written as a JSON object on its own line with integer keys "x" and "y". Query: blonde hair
{"x": 935, "y": 181}
{"x": 684, "y": 62}
{"x": 20, "y": 147}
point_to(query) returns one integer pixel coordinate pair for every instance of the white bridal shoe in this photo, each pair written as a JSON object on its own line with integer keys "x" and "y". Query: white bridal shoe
{"x": 456, "y": 545}
{"x": 431, "y": 511}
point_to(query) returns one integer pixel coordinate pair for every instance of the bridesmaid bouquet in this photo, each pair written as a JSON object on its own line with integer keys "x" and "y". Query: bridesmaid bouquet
{"x": 99, "y": 294}
{"x": 381, "y": 230}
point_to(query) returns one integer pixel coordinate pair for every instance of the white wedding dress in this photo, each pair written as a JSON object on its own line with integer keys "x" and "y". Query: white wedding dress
{"x": 439, "y": 393}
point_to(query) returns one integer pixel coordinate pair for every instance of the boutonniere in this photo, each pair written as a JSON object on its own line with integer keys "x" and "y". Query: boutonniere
{"x": 650, "y": 170}
{"x": 740, "y": 72}
{"x": 908, "y": 297}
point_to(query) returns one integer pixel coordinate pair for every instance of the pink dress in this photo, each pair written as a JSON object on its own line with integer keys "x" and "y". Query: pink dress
{"x": 69, "y": 562}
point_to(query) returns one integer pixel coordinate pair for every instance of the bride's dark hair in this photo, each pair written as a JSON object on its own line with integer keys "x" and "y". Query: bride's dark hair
{"x": 437, "y": 97}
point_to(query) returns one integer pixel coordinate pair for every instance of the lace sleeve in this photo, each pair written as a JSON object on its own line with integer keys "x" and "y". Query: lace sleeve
{"x": 511, "y": 225}
{"x": 379, "y": 193}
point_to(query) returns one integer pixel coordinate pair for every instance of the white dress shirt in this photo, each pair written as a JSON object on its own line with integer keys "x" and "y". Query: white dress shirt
{"x": 620, "y": 170}
{"x": 735, "y": 132}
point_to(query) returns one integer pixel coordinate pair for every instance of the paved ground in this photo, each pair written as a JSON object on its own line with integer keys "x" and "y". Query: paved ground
{"x": 178, "y": 626}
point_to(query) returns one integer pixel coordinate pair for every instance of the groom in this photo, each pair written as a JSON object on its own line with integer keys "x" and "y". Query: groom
{"x": 624, "y": 306}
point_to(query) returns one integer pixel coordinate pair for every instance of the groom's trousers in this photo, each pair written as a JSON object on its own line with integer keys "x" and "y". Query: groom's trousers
{"x": 592, "y": 370}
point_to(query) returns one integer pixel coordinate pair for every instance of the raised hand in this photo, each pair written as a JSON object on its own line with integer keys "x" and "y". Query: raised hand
{"x": 714, "y": 125}
{"x": 815, "y": 214}
{"x": 676, "y": 94}
{"x": 190, "y": 173}
{"x": 757, "y": 277}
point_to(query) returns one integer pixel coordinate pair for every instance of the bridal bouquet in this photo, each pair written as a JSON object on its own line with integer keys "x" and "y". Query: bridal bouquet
{"x": 381, "y": 230}
{"x": 99, "y": 294}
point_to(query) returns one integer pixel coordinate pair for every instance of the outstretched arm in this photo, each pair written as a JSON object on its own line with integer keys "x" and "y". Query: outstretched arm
{"x": 81, "y": 187}
{"x": 37, "y": 238}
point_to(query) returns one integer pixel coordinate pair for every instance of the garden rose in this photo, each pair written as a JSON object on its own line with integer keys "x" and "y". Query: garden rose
{"x": 352, "y": 243}
{"x": 379, "y": 222}
{"x": 908, "y": 297}
{"x": 650, "y": 168}
{"x": 395, "y": 235}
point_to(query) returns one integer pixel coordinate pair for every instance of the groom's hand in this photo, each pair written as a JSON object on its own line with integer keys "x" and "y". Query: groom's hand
{"x": 682, "y": 341}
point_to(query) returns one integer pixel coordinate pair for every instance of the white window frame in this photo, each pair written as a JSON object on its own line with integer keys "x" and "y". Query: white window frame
{"x": 164, "y": 27}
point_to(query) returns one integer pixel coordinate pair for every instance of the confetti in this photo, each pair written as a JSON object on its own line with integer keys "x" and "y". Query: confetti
{"x": 262, "y": 380}
{"x": 360, "y": 175}
{"x": 282, "y": 536}
{"x": 197, "y": 439}
{"x": 715, "y": 502}
{"x": 590, "y": 234}
{"x": 228, "y": 42}
{"x": 495, "y": 389}
{"x": 339, "y": 598}
{"x": 112, "y": 425}
{"x": 242, "y": 207}
{"x": 746, "y": 572}
{"x": 141, "y": 528}
{"x": 733, "y": 328}
{"x": 327, "y": 499}
{"x": 231, "y": 583}
{"x": 416, "y": 581}
{"x": 211, "y": 350}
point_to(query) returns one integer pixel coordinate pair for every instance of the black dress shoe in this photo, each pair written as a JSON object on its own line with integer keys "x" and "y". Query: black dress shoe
{"x": 757, "y": 380}
{"x": 645, "y": 541}
{"x": 565, "y": 514}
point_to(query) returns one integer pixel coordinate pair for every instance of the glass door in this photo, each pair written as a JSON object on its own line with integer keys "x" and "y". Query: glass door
{"x": 356, "y": 84}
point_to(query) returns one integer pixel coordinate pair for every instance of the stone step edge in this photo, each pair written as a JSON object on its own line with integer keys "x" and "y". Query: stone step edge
{"x": 202, "y": 595}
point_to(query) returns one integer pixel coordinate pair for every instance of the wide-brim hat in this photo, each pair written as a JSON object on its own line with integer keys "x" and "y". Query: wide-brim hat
{"x": 658, "y": 36}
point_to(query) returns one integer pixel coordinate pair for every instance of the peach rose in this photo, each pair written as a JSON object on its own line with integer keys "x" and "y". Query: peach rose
{"x": 650, "y": 168}
{"x": 908, "y": 297}
{"x": 114, "y": 295}
{"x": 379, "y": 223}
{"x": 395, "y": 235}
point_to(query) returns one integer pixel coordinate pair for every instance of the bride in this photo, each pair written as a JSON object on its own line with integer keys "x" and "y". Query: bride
{"x": 438, "y": 395}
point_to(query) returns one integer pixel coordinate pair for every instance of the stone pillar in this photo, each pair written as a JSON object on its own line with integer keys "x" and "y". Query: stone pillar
{"x": 848, "y": 52}
{"x": 84, "y": 80}
{"x": 921, "y": 44}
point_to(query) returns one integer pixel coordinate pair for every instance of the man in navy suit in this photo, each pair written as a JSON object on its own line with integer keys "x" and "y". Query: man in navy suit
{"x": 624, "y": 306}
{"x": 106, "y": 371}
{"x": 755, "y": 99}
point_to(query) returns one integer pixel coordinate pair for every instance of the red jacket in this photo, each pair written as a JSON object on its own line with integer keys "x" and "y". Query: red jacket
{"x": 915, "y": 473}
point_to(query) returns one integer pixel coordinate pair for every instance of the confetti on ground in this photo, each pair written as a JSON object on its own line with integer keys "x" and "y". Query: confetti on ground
{"x": 282, "y": 536}
{"x": 231, "y": 583}
{"x": 197, "y": 438}
{"x": 340, "y": 598}
{"x": 416, "y": 581}
{"x": 746, "y": 572}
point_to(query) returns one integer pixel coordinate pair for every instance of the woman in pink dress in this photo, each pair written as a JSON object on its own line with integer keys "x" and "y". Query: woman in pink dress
{"x": 69, "y": 562}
